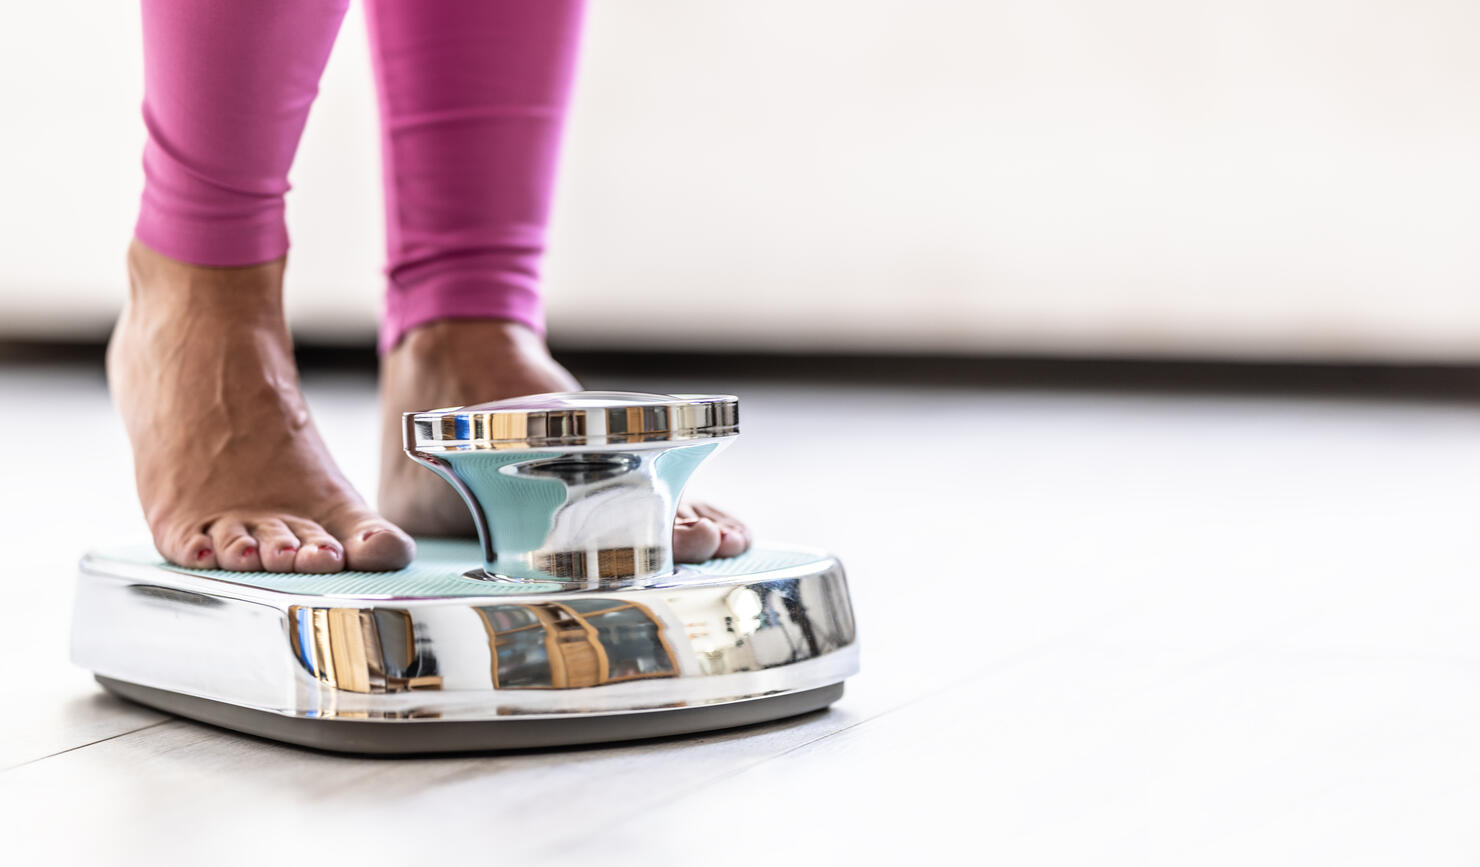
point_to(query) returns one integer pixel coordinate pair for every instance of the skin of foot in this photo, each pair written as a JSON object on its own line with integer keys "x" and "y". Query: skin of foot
{"x": 458, "y": 362}
{"x": 230, "y": 470}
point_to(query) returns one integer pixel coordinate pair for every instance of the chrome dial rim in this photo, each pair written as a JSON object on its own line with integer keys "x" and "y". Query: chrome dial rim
{"x": 574, "y": 419}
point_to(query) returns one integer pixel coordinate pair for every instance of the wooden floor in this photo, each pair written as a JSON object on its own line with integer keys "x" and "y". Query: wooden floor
{"x": 1097, "y": 628}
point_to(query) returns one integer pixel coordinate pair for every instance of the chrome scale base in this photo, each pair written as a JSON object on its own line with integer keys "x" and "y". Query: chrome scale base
{"x": 431, "y": 660}
{"x": 453, "y": 654}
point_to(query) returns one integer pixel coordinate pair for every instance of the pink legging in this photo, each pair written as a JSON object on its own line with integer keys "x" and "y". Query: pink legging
{"x": 472, "y": 98}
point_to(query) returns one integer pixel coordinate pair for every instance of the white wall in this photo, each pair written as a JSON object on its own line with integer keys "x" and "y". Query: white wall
{"x": 1232, "y": 178}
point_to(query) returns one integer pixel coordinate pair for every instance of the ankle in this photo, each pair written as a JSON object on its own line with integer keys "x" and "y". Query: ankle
{"x": 496, "y": 337}
{"x": 247, "y": 293}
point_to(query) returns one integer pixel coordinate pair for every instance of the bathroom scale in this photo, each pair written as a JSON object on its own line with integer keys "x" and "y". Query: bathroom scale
{"x": 565, "y": 622}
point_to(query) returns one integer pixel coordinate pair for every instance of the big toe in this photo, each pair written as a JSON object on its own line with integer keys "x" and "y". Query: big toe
{"x": 373, "y": 544}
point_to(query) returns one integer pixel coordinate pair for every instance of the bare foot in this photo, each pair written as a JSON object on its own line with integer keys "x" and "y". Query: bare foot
{"x": 457, "y": 362}
{"x": 230, "y": 471}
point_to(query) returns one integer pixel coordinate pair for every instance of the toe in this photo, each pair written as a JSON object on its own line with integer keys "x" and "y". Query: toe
{"x": 318, "y": 551}
{"x": 277, "y": 546}
{"x": 236, "y": 549}
{"x": 734, "y": 535}
{"x": 733, "y": 541}
{"x": 190, "y": 547}
{"x": 695, "y": 539}
{"x": 372, "y": 544}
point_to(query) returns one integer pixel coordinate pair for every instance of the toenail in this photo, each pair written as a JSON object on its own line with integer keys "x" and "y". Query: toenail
{"x": 202, "y": 553}
{"x": 331, "y": 551}
{"x": 287, "y": 549}
{"x": 249, "y": 551}
{"x": 365, "y": 536}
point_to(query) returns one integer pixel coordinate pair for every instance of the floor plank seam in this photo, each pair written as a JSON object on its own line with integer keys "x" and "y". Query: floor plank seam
{"x": 86, "y": 745}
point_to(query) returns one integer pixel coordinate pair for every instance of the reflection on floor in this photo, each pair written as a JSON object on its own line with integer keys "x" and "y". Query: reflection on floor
{"x": 1097, "y": 628}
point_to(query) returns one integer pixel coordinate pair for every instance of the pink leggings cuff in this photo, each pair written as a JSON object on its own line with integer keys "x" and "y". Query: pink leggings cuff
{"x": 459, "y": 297}
{"x": 227, "y": 243}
